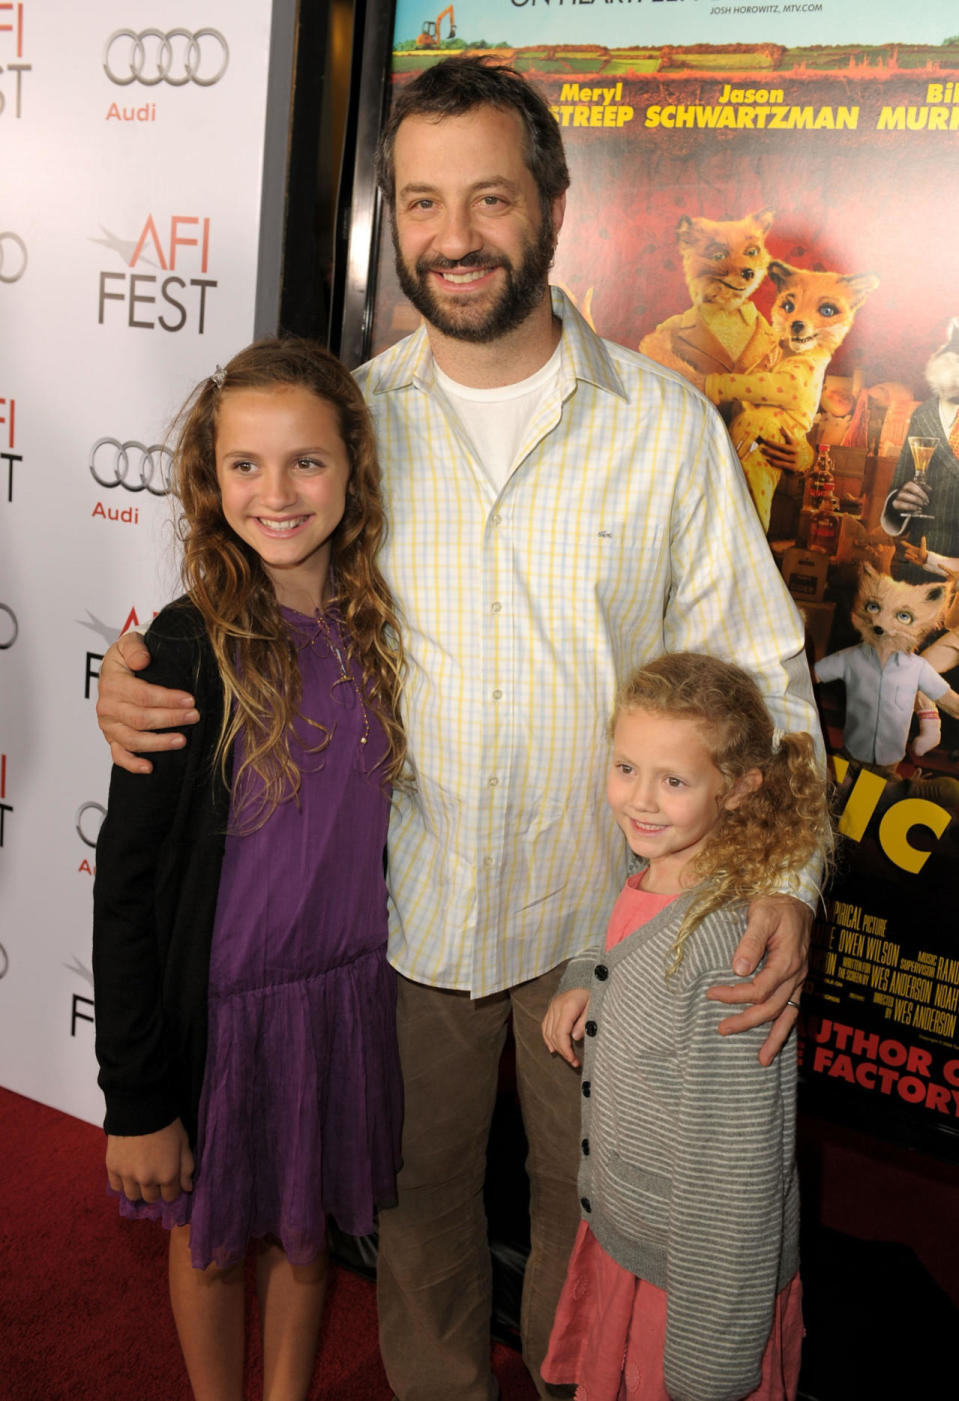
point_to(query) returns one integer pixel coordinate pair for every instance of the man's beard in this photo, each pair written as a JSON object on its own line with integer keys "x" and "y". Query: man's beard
{"x": 524, "y": 288}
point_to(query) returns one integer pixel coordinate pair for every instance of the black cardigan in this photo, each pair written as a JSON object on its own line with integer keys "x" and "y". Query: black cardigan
{"x": 159, "y": 856}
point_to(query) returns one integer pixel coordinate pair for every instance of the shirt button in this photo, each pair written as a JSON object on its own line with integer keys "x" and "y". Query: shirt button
{"x": 496, "y": 608}
{"x": 585, "y": 1203}
{"x": 497, "y": 695}
{"x": 585, "y": 1147}
{"x": 492, "y": 782}
{"x": 601, "y": 972}
{"x": 591, "y": 1028}
{"x": 586, "y": 1087}
{"x": 495, "y": 520}
{"x": 487, "y": 861}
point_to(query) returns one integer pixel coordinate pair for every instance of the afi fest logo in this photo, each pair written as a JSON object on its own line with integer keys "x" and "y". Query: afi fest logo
{"x": 174, "y": 302}
{"x": 5, "y": 807}
{"x": 12, "y": 67}
{"x": 109, "y": 632}
{"x": 81, "y": 1004}
{"x": 13, "y": 256}
{"x": 8, "y": 421}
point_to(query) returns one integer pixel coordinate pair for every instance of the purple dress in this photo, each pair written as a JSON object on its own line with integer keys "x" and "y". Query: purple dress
{"x": 301, "y": 1105}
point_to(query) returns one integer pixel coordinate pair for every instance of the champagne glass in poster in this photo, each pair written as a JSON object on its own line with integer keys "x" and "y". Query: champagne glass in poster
{"x": 760, "y": 202}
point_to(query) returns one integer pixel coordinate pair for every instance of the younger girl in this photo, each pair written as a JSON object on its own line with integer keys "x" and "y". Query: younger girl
{"x": 683, "y": 1281}
{"x": 245, "y": 1009}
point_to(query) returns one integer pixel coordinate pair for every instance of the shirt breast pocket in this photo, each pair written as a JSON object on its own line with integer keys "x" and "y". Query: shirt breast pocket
{"x": 603, "y": 554}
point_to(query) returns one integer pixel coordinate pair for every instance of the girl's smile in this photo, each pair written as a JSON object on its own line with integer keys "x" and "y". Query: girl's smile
{"x": 283, "y": 472}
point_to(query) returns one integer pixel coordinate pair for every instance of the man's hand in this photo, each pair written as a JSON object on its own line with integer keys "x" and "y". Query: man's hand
{"x": 565, "y": 1022}
{"x": 910, "y": 498}
{"x": 151, "y": 1165}
{"x": 129, "y": 709}
{"x": 780, "y": 927}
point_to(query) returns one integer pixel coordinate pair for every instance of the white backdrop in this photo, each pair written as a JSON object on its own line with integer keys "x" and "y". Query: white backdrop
{"x": 133, "y": 139}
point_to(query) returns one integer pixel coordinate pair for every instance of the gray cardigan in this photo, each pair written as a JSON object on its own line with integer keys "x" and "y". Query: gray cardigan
{"x": 687, "y": 1176}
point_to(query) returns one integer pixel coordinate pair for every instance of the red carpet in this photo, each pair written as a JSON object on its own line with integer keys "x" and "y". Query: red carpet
{"x": 84, "y": 1314}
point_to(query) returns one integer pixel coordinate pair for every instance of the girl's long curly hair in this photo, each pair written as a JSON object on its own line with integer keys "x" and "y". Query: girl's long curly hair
{"x": 225, "y": 578}
{"x": 759, "y": 846}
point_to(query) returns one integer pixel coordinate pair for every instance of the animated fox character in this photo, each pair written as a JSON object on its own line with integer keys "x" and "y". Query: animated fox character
{"x": 882, "y": 675}
{"x": 724, "y": 261}
{"x": 811, "y": 317}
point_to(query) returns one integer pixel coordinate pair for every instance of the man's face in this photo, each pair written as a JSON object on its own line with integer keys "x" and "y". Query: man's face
{"x": 472, "y": 247}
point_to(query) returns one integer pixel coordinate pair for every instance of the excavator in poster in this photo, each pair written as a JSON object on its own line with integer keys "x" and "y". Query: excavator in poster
{"x": 429, "y": 37}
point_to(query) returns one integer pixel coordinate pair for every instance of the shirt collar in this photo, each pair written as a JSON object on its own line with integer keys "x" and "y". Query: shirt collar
{"x": 584, "y": 356}
{"x": 898, "y": 658}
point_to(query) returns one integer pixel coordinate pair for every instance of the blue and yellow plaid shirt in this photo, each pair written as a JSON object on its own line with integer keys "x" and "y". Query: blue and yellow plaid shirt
{"x": 624, "y": 530}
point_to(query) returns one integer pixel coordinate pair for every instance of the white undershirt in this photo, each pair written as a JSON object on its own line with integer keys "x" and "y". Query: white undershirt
{"x": 496, "y": 420}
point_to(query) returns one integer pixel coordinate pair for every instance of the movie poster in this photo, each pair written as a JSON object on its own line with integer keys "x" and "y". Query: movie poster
{"x": 763, "y": 200}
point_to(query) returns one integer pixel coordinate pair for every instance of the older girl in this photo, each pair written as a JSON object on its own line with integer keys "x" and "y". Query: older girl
{"x": 245, "y": 1009}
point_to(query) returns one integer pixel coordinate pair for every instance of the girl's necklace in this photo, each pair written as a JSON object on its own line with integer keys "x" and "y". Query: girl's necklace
{"x": 324, "y": 630}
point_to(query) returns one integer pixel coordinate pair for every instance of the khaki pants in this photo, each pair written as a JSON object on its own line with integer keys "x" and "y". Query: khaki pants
{"x": 434, "y": 1265}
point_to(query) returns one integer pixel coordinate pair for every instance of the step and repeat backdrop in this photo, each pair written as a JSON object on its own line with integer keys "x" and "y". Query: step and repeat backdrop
{"x": 133, "y": 140}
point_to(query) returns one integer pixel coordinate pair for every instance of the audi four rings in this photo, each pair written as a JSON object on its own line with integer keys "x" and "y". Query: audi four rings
{"x": 81, "y": 824}
{"x": 151, "y": 462}
{"x": 13, "y": 257}
{"x": 152, "y": 57}
{"x": 9, "y": 627}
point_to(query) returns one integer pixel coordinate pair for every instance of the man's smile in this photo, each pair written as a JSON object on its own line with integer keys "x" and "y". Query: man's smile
{"x": 461, "y": 278}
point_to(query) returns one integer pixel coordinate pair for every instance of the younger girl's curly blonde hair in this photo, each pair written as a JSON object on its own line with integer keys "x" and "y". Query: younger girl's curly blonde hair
{"x": 759, "y": 846}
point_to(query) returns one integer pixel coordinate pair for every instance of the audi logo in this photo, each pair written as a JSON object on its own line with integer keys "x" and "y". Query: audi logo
{"x": 9, "y": 627}
{"x": 132, "y": 465}
{"x": 176, "y": 57}
{"x": 13, "y": 257}
{"x": 83, "y": 823}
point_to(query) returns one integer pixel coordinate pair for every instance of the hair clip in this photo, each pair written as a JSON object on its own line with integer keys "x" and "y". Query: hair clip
{"x": 218, "y": 376}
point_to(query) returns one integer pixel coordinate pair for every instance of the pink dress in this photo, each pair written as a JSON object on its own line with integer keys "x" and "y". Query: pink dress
{"x": 609, "y": 1333}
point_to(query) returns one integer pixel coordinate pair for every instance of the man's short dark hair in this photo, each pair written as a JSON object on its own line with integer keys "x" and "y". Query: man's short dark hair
{"x": 456, "y": 86}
